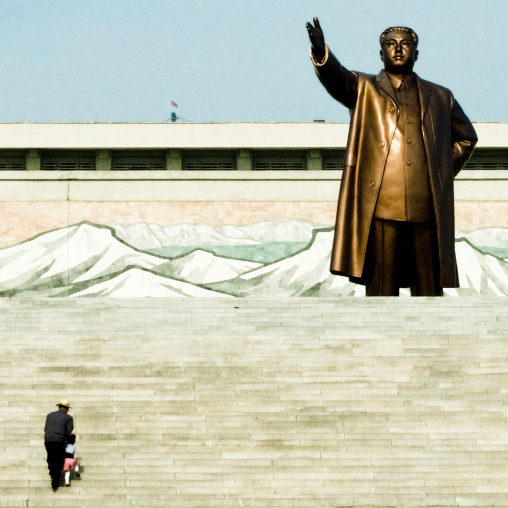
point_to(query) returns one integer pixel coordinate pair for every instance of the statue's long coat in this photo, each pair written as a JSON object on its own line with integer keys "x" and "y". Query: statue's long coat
{"x": 449, "y": 140}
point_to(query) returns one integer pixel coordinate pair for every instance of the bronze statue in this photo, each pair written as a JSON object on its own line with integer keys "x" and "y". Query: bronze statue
{"x": 408, "y": 139}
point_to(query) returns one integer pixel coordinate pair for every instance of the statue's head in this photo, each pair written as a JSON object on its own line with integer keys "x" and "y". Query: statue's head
{"x": 398, "y": 49}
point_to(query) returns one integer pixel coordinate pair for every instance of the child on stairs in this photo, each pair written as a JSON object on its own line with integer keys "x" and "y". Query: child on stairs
{"x": 70, "y": 462}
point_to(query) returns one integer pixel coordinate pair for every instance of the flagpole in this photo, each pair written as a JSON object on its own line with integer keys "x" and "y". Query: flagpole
{"x": 173, "y": 116}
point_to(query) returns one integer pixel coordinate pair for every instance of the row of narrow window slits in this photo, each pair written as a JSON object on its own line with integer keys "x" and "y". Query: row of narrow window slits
{"x": 192, "y": 166}
{"x": 139, "y": 165}
{"x": 13, "y": 166}
{"x": 68, "y": 166}
{"x": 160, "y": 164}
{"x": 486, "y": 165}
{"x": 265, "y": 162}
{"x": 211, "y": 166}
{"x": 208, "y": 166}
{"x": 82, "y": 166}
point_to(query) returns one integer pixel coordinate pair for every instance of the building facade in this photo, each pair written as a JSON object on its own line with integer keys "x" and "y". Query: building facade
{"x": 181, "y": 209}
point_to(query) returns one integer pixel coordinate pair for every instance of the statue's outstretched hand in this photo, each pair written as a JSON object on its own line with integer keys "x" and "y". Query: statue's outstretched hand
{"x": 317, "y": 39}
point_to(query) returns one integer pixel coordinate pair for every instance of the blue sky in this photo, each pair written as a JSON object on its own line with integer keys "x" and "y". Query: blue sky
{"x": 231, "y": 60}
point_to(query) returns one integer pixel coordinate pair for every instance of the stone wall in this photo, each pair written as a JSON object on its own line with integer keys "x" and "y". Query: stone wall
{"x": 62, "y": 233}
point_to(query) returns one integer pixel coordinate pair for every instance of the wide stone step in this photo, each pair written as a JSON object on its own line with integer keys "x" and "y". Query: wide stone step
{"x": 304, "y": 402}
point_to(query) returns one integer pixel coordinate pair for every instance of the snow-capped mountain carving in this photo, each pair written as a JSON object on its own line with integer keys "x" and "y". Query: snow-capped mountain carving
{"x": 90, "y": 260}
{"x": 65, "y": 256}
{"x": 152, "y": 236}
{"x": 202, "y": 267}
{"x": 306, "y": 273}
{"x": 489, "y": 240}
{"x": 493, "y": 237}
{"x": 137, "y": 283}
{"x": 479, "y": 273}
{"x": 273, "y": 231}
{"x": 72, "y": 260}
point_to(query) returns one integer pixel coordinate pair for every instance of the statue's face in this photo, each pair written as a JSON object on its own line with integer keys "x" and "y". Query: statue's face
{"x": 398, "y": 52}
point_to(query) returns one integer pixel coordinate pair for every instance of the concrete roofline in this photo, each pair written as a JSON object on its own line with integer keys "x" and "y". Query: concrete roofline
{"x": 213, "y": 135}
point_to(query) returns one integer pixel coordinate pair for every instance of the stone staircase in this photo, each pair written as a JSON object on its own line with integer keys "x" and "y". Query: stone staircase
{"x": 259, "y": 403}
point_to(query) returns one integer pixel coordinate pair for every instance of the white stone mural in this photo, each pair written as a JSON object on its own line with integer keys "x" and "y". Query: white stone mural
{"x": 270, "y": 258}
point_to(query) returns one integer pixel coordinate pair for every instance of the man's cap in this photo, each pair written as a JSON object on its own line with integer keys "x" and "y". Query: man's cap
{"x": 64, "y": 403}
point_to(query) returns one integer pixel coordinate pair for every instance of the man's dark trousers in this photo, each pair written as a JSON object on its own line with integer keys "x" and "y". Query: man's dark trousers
{"x": 56, "y": 456}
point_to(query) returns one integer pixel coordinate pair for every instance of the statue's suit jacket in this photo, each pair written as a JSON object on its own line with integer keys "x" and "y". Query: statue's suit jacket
{"x": 449, "y": 140}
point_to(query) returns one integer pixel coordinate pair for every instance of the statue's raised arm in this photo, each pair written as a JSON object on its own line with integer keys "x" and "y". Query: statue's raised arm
{"x": 339, "y": 82}
{"x": 317, "y": 39}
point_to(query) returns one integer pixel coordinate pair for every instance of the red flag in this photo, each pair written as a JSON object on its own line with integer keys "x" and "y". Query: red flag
{"x": 173, "y": 103}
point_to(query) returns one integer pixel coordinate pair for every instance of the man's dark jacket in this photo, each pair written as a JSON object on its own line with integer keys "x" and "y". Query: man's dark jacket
{"x": 449, "y": 139}
{"x": 58, "y": 425}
